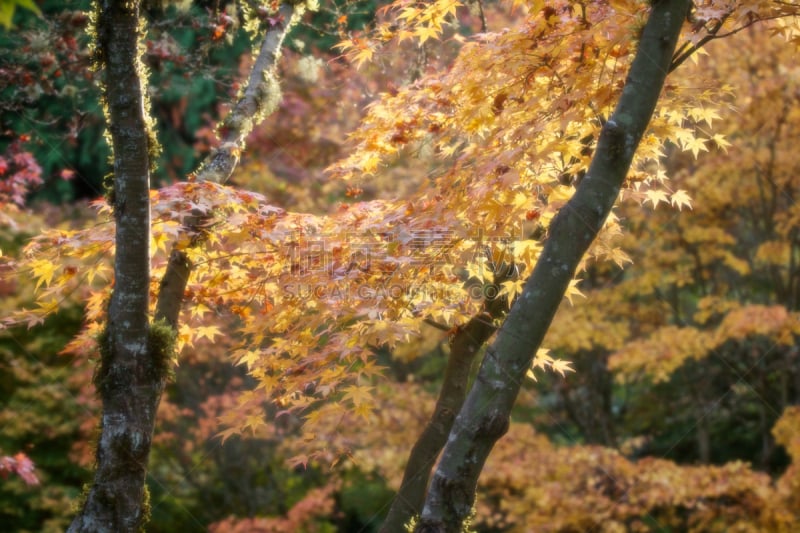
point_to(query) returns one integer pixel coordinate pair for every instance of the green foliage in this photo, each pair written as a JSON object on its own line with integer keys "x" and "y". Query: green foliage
{"x": 207, "y": 482}
{"x": 49, "y": 95}
{"x": 42, "y": 414}
{"x": 363, "y": 499}
{"x": 8, "y": 7}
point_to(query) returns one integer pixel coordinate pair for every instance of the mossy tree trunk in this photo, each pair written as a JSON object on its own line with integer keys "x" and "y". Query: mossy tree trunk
{"x": 484, "y": 417}
{"x": 128, "y": 378}
{"x": 136, "y": 353}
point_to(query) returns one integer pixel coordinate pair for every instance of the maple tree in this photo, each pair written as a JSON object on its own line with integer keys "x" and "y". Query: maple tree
{"x": 510, "y": 134}
{"x": 709, "y": 300}
{"x": 484, "y": 416}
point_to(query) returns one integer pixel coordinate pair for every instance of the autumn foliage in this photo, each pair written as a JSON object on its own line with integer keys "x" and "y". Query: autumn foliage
{"x": 352, "y": 245}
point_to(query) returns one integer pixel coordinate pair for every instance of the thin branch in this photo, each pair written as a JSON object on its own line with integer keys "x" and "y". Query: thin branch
{"x": 683, "y": 54}
{"x": 482, "y": 15}
{"x": 259, "y": 99}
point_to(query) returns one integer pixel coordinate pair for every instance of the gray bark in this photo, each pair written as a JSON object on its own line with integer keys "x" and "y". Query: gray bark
{"x": 128, "y": 381}
{"x": 465, "y": 344}
{"x": 485, "y": 415}
{"x": 134, "y": 359}
{"x": 260, "y": 98}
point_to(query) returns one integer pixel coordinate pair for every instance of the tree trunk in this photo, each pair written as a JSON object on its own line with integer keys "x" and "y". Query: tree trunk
{"x": 135, "y": 355}
{"x": 485, "y": 415}
{"x": 465, "y": 344}
{"x": 128, "y": 378}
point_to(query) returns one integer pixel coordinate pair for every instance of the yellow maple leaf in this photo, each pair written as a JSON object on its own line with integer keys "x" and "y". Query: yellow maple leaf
{"x": 363, "y": 410}
{"x": 208, "y": 332}
{"x": 43, "y": 270}
{"x": 358, "y": 394}
{"x": 572, "y": 290}
{"x": 721, "y": 142}
{"x": 158, "y": 242}
{"x": 705, "y": 114}
{"x": 363, "y": 54}
{"x": 655, "y": 196}
{"x": 619, "y": 257}
{"x": 427, "y": 32}
{"x": 680, "y": 198}
{"x": 544, "y": 361}
{"x": 249, "y": 358}
{"x": 561, "y": 366}
{"x": 695, "y": 145}
{"x": 512, "y": 288}
{"x": 184, "y": 337}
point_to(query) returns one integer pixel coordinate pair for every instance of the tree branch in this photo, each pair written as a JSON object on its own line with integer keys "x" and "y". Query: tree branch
{"x": 465, "y": 344}
{"x": 260, "y": 98}
{"x": 485, "y": 415}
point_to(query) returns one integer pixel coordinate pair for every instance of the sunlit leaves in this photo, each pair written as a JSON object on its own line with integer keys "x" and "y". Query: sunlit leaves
{"x": 359, "y": 51}
{"x": 680, "y": 199}
{"x": 661, "y": 353}
{"x": 721, "y": 142}
{"x": 43, "y": 271}
{"x": 542, "y": 360}
{"x": 694, "y": 145}
{"x": 502, "y": 139}
{"x": 655, "y": 196}
{"x": 523, "y": 124}
{"x": 410, "y": 20}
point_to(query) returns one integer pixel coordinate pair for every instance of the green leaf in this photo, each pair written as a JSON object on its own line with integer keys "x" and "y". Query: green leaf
{"x": 7, "y": 8}
{"x": 6, "y": 12}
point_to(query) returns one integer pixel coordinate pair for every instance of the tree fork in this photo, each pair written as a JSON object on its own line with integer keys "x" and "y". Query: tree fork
{"x": 465, "y": 344}
{"x": 136, "y": 354}
{"x": 452, "y": 492}
{"x": 260, "y": 98}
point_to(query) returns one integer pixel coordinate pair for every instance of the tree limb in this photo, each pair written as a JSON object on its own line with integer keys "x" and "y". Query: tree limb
{"x": 485, "y": 415}
{"x": 465, "y": 344}
{"x": 260, "y": 98}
